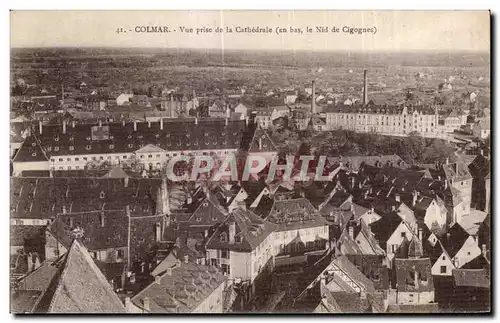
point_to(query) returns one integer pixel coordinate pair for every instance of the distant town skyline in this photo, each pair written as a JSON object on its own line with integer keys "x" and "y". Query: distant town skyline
{"x": 396, "y": 30}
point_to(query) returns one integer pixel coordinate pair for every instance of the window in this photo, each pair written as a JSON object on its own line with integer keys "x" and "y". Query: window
{"x": 52, "y": 159}
{"x": 69, "y": 167}
{"x": 150, "y": 156}
{"x": 442, "y": 270}
{"x": 224, "y": 254}
{"x": 68, "y": 159}
{"x": 77, "y": 159}
{"x": 142, "y": 156}
{"x": 84, "y": 158}
{"x": 120, "y": 254}
{"x": 88, "y": 147}
{"x": 124, "y": 157}
{"x": 101, "y": 158}
{"x": 403, "y": 234}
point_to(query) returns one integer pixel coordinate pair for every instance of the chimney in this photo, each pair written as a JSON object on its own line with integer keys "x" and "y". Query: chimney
{"x": 483, "y": 250}
{"x": 101, "y": 217}
{"x": 420, "y": 234}
{"x": 365, "y": 88}
{"x": 228, "y": 112}
{"x": 313, "y": 103}
{"x": 100, "y": 123}
{"x": 242, "y": 205}
{"x": 481, "y": 152}
{"x": 73, "y": 123}
{"x": 351, "y": 231}
{"x": 149, "y": 124}
{"x": 397, "y": 197}
{"x": 158, "y": 279}
{"x": 196, "y": 120}
{"x": 51, "y": 173}
{"x": 71, "y": 222}
{"x": 186, "y": 259}
{"x": 232, "y": 231}
{"x": 40, "y": 127}
{"x": 127, "y": 210}
{"x": 205, "y": 234}
{"x": 189, "y": 199}
{"x": 64, "y": 127}
{"x": 161, "y": 123}
{"x": 415, "y": 196}
{"x": 123, "y": 123}
{"x": 128, "y": 303}
{"x": 456, "y": 262}
{"x": 145, "y": 301}
{"x": 247, "y": 119}
{"x": 169, "y": 271}
{"x": 416, "y": 278}
{"x": 352, "y": 182}
{"x": 260, "y": 143}
{"x": 125, "y": 181}
{"x": 135, "y": 125}
{"x": 227, "y": 121}
{"x": 445, "y": 184}
{"x": 447, "y": 160}
{"x": 64, "y": 209}
{"x": 158, "y": 231}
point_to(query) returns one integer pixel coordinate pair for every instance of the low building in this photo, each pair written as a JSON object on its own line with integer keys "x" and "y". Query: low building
{"x": 414, "y": 283}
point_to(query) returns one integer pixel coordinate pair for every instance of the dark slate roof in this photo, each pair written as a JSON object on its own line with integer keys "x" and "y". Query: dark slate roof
{"x": 86, "y": 139}
{"x": 373, "y": 267}
{"x": 372, "y": 108}
{"x": 385, "y": 227}
{"x": 20, "y": 235}
{"x": 112, "y": 232}
{"x": 480, "y": 167}
{"x": 251, "y": 229}
{"x": 209, "y": 213}
{"x": 454, "y": 239}
{"x": 182, "y": 291}
{"x": 291, "y": 214}
{"x": 405, "y": 278}
{"x": 79, "y": 287}
{"x": 355, "y": 162}
{"x": 23, "y": 301}
{"x": 142, "y": 235}
{"x": 471, "y": 278}
{"x": 43, "y": 198}
{"x": 262, "y": 142}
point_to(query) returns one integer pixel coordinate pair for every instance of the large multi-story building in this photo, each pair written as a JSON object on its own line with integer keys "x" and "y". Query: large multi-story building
{"x": 151, "y": 144}
{"x": 394, "y": 120}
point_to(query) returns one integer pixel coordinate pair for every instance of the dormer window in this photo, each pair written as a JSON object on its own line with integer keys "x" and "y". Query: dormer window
{"x": 214, "y": 218}
{"x": 88, "y": 147}
{"x": 71, "y": 138}
{"x": 56, "y": 138}
{"x": 198, "y": 219}
{"x": 102, "y": 195}
{"x": 56, "y": 148}
{"x": 205, "y": 204}
{"x": 130, "y": 146}
{"x": 157, "y": 135}
{"x": 111, "y": 146}
{"x": 206, "y": 134}
{"x": 223, "y": 134}
{"x": 223, "y": 237}
{"x": 111, "y": 137}
{"x": 129, "y": 137}
{"x": 33, "y": 144}
{"x": 88, "y": 138}
{"x": 168, "y": 135}
{"x": 238, "y": 239}
{"x": 71, "y": 148}
{"x": 188, "y": 135}
{"x": 49, "y": 148}
{"x": 33, "y": 154}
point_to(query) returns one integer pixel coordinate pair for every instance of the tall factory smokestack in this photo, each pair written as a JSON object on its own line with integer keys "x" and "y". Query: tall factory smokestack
{"x": 313, "y": 103}
{"x": 365, "y": 88}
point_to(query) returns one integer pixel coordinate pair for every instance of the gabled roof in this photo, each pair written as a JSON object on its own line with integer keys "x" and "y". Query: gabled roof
{"x": 290, "y": 214}
{"x": 180, "y": 291}
{"x": 456, "y": 172}
{"x": 405, "y": 275}
{"x": 262, "y": 142}
{"x": 208, "y": 213}
{"x": 79, "y": 287}
{"x": 87, "y": 139}
{"x": 454, "y": 239}
{"x": 251, "y": 231}
{"x": 40, "y": 278}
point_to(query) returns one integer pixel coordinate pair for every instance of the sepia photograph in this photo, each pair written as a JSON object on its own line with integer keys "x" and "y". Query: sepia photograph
{"x": 250, "y": 161}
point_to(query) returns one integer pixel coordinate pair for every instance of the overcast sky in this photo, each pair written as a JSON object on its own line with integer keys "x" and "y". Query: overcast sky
{"x": 396, "y": 30}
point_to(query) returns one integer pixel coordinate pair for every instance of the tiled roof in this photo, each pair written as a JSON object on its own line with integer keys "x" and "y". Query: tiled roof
{"x": 291, "y": 214}
{"x": 43, "y": 198}
{"x": 182, "y": 290}
{"x": 251, "y": 231}
{"x": 101, "y": 229}
{"x": 40, "y": 278}
{"x": 405, "y": 275}
{"x": 471, "y": 278}
{"x": 23, "y": 301}
{"x": 87, "y": 139}
{"x": 209, "y": 213}
{"x": 79, "y": 287}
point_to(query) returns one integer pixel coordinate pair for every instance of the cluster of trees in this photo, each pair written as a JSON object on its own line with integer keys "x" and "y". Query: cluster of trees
{"x": 413, "y": 148}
